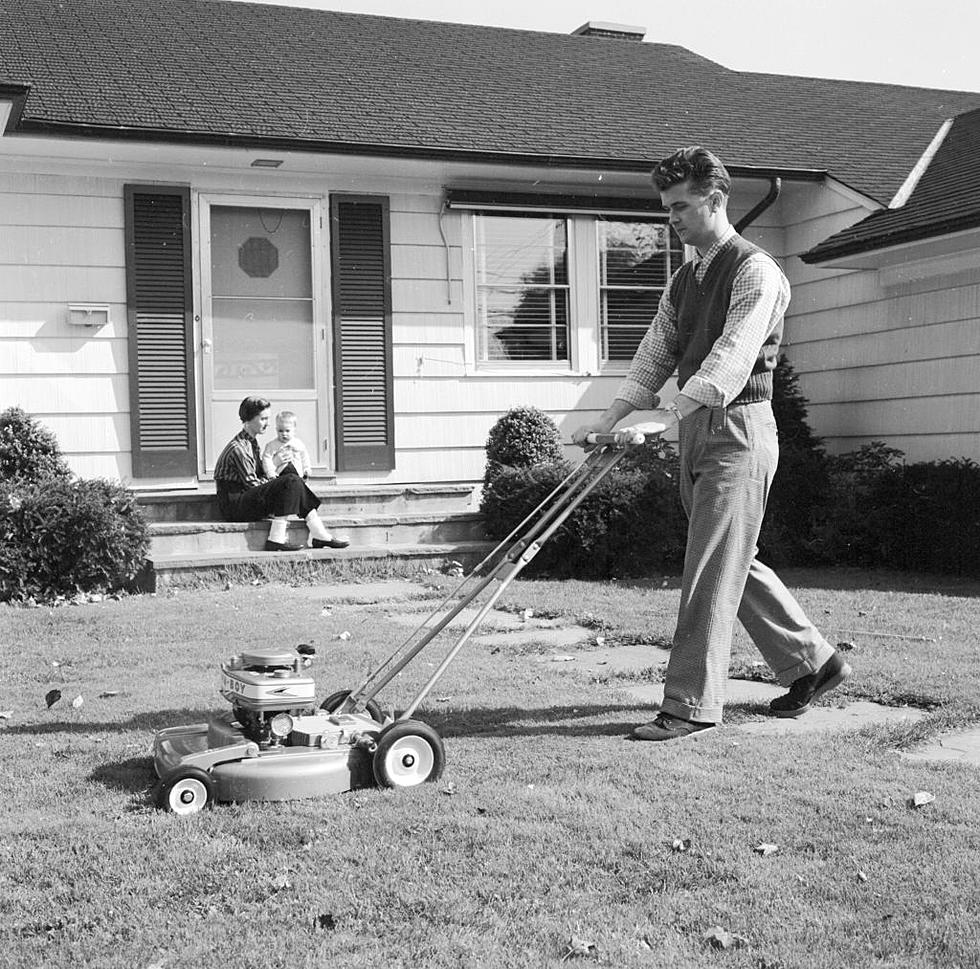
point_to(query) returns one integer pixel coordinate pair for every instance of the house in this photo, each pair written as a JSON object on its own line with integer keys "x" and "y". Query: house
{"x": 907, "y": 364}
{"x": 399, "y": 229}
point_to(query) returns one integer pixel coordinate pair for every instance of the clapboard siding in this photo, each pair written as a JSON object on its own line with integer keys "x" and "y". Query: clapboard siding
{"x": 52, "y": 356}
{"x": 53, "y": 245}
{"x": 898, "y": 381}
{"x": 63, "y": 283}
{"x": 83, "y": 393}
{"x": 61, "y": 210}
{"x": 898, "y": 363}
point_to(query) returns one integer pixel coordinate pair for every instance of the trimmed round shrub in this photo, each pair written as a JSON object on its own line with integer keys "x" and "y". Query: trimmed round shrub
{"x": 59, "y": 537}
{"x": 522, "y": 438}
{"x": 28, "y": 450}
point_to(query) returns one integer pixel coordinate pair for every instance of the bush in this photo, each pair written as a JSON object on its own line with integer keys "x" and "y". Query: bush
{"x": 801, "y": 490}
{"x": 522, "y": 438}
{"x": 28, "y": 450}
{"x": 927, "y": 517}
{"x": 631, "y": 524}
{"x": 60, "y": 537}
{"x": 851, "y": 525}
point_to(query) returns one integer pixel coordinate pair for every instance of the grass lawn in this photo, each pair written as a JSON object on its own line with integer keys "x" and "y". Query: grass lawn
{"x": 548, "y": 826}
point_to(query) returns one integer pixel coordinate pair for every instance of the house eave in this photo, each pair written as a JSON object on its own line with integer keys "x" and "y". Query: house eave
{"x": 901, "y": 248}
{"x": 13, "y": 97}
{"x": 72, "y": 130}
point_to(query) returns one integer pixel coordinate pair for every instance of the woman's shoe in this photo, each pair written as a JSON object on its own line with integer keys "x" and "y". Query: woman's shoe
{"x": 330, "y": 542}
{"x": 282, "y": 547}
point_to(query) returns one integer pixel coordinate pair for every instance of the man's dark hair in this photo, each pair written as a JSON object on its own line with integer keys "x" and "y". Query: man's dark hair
{"x": 251, "y": 407}
{"x": 704, "y": 170}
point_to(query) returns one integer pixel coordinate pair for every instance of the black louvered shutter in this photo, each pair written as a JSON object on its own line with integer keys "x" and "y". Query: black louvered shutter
{"x": 361, "y": 286}
{"x": 159, "y": 304}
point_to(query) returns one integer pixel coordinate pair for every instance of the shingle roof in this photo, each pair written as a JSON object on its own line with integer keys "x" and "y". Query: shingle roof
{"x": 945, "y": 199}
{"x": 251, "y": 74}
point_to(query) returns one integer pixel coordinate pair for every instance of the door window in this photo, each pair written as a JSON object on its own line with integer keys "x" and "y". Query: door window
{"x": 261, "y": 299}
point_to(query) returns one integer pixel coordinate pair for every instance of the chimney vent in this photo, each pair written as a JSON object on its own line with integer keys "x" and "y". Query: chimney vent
{"x": 597, "y": 28}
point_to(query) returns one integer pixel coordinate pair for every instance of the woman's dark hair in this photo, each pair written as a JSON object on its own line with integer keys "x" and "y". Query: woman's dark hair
{"x": 704, "y": 169}
{"x": 251, "y": 407}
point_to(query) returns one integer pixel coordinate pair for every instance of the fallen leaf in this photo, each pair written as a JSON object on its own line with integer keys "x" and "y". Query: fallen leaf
{"x": 576, "y": 948}
{"x": 719, "y": 938}
{"x": 306, "y": 649}
{"x": 325, "y": 921}
{"x": 765, "y": 849}
{"x": 345, "y": 635}
{"x": 681, "y": 844}
{"x": 526, "y": 614}
{"x": 562, "y": 659}
{"x": 862, "y": 877}
{"x": 326, "y": 611}
{"x": 108, "y": 694}
{"x": 921, "y": 798}
{"x": 443, "y": 699}
{"x": 449, "y": 789}
{"x": 52, "y": 697}
{"x": 846, "y": 646}
{"x": 78, "y": 702}
{"x": 600, "y": 640}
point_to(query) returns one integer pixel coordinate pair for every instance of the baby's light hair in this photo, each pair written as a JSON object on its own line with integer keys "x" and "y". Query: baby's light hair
{"x": 285, "y": 417}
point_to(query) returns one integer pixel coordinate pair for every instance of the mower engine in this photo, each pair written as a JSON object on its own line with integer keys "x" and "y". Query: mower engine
{"x": 268, "y": 691}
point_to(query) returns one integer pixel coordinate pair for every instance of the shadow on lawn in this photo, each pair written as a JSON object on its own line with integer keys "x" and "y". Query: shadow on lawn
{"x": 846, "y": 579}
{"x": 154, "y": 721}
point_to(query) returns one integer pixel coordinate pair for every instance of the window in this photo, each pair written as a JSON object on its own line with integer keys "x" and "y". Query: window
{"x": 562, "y": 290}
{"x": 635, "y": 261}
{"x": 522, "y": 288}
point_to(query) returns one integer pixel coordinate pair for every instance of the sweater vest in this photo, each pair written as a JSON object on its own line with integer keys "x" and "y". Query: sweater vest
{"x": 702, "y": 309}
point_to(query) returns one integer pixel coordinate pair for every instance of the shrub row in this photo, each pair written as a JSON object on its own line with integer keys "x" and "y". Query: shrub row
{"x": 865, "y": 508}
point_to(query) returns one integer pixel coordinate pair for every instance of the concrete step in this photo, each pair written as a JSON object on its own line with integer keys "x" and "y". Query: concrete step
{"x": 162, "y": 571}
{"x": 410, "y": 528}
{"x": 201, "y": 505}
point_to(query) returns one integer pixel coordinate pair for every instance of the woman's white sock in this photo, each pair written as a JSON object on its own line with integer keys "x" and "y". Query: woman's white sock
{"x": 277, "y": 531}
{"x": 317, "y": 529}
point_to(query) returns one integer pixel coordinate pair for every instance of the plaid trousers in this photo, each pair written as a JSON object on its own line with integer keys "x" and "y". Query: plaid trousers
{"x": 728, "y": 458}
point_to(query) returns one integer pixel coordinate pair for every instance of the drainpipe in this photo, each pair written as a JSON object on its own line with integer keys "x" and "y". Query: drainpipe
{"x": 775, "y": 184}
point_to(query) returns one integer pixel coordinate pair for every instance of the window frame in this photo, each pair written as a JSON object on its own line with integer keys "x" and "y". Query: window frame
{"x": 584, "y": 290}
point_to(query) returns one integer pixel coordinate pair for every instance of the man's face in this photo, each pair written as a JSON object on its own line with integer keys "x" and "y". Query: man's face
{"x": 692, "y": 216}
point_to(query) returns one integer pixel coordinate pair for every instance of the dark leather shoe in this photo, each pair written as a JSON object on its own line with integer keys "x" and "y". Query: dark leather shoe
{"x": 331, "y": 542}
{"x": 806, "y": 689}
{"x": 282, "y": 547}
{"x": 666, "y": 727}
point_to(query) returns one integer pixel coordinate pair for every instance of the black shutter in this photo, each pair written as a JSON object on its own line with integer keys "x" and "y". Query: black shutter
{"x": 361, "y": 286}
{"x": 159, "y": 308}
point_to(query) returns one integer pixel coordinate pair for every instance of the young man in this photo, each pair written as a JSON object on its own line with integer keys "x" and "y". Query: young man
{"x": 719, "y": 325}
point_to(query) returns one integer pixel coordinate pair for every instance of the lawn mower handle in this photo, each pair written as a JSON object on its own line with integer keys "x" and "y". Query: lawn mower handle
{"x": 637, "y": 434}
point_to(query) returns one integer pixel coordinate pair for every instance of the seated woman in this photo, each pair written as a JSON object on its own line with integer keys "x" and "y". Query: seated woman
{"x": 246, "y": 494}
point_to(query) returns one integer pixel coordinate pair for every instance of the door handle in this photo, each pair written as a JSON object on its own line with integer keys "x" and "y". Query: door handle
{"x": 206, "y": 346}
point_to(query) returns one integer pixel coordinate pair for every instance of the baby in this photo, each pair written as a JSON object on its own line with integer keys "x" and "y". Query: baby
{"x": 286, "y": 449}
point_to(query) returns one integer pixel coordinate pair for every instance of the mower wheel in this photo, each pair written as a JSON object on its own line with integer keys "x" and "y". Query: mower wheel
{"x": 185, "y": 790}
{"x": 409, "y": 753}
{"x": 333, "y": 702}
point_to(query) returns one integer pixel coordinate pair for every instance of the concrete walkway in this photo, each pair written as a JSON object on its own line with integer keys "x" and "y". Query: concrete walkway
{"x": 580, "y": 650}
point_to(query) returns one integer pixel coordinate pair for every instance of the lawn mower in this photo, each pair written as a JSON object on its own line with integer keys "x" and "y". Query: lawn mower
{"x": 276, "y": 744}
